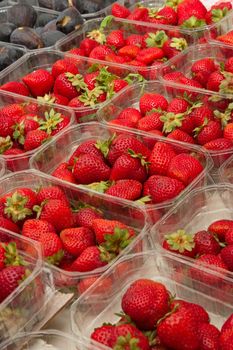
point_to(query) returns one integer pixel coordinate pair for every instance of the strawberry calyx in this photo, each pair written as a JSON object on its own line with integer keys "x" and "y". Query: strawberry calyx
{"x": 77, "y": 81}
{"x": 134, "y": 78}
{"x": 104, "y": 146}
{"x": 90, "y": 97}
{"x": 226, "y": 85}
{"x": 176, "y": 307}
{"x": 179, "y": 43}
{"x": 15, "y": 207}
{"x": 151, "y": 336}
{"x": 19, "y": 132}
{"x": 143, "y": 200}
{"x": 152, "y": 12}
{"x": 172, "y": 121}
{"x": 106, "y": 256}
{"x": 193, "y": 22}
{"x": 223, "y": 117}
{"x": 97, "y": 35}
{"x": 55, "y": 258}
{"x": 193, "y": 106}
{"x": 156, "y": 39}
{"x": 12, "y": 257}
{"x": 38, "y": 208}
{"x": 218, "y": 14}
{"x": 5, "y": 144}
{"x": 139, "y": 156}
{"x": 173, "y": 3}
{"x": 126, "y": 342}
{"x": 124, "y": 319}
{"x": 198, "y": 129}
{"x": 116, "y": 242}
{"x": 180, "y": 241}
{"x": 52, "y": 119}
{"x": 100, "y": 187}
{"x": 47, "y": 98}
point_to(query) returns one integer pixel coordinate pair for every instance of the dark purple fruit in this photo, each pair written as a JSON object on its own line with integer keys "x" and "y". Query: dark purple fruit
{"x": 50, "y": 26}
{"x": 8, "y": 56}
{"x": 28, "y": 37}
{"x": 44, "y": 18}
{"x": 60, "y": 5}
{"x": 22, "y": 15}
{"x": 5, "y": 31}
{"x": 51, "y": 37}
{"x": 69, "y": 20}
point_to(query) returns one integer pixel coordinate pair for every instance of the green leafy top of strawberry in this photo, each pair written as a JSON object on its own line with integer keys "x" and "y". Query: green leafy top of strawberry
{"x": 48, "y": 98}
{"x": 98, "y": 34}
{"x": 90, "y": 97}
{"x": 116, "y": 242}
{"x": 12, "y": 257}
{"x": 5, "y": 144}
{"x": 223, "y": 117}
{"x": 152, "y": 12}
{"x": 104, "y": 145}
{"x": 180, "y": 241}
{"x": 19, "y": 132}
{"x": 143, "y": 200}
{"x": 173, "y": 3}
{"x": 126, "y": 342}
{"x": 15, "y": 207}
{"x": 179, "y": 43}
{"x": 55, "y": 258}
{"x": 100, "y": 187}
{"x": 226, "y": 85}
{"x": 77, "y": 81}
{"x": 172, "y": 121}
{"x": 139, "y": 156}
{"x": 156, "y": 39}
{"x": 218, "y": 14}
{"x": 134, "y": 77}
{"x": 198, "y": 129}
{"x": 193, "y": 22}
{"x": 52, "y": 119}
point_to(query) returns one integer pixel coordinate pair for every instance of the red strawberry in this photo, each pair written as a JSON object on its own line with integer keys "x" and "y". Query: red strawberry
{"x": 145, "y": 301}
{"x": 32, "y": 228}
{"x": 226, "y": 340}
{"x": 16, "y": 87}
{"x": 87, "y": 45}
{"x": 134, "y": 39}
{"x": 149, "y": 55}
{"x": 220, "y": 228}
{"x": 151, "y": 101}
{"x": 51, "y": 192}
{"x": 100, "y": 52}
{"x": 39, "y": 82}
{"x": 169, "y": 13}
{"x": 180, "y": 135}
{"x": 210, "y": 130}
{"x": 203, "y": 65}
{"x": 14, "y": 110}
{"x": 198, "y": 311}
{"x": 160, "y": 158}
{"x": 189, "y": 9}
{"x": 226, "y": 38}
{"x": 215, "y": 80}
{"x": 174, "y": 46}
{"x": 126, "y": 189}
{"x": 9, "y": 255}
{"x": 77, "y": 51}
{"x": 200, "y": 114}
{"x": 10, "y": 278}
{"x": 8, "y": 225}
{"x": 228, "y": 132}
{"x": 229, "y": 65}
{"x": 119, "y": 84}
{"x": 120, "y": 11}
{"x": 162, "y": 188}
{"x": 178, "y": 105}
{"x": 34, "y": 139}
{"x": 228, "y": 324}
{"x": 115, "y": 38}
{"x": 213, "y": 262}
{"x": 173, "y": 76}
{"x": 76, "y": 240}
{"x": 181, "y": 243}
{"x": 130, "y": 51}
{"x": 51, "y": 247}
{"x": 6, "y": 126}
{"x": 89, "y": 260}
{"x": 151, "y": 121}
{"x": 91, "y": 147}
{"x": 208, "y": 336}
{"x": 206, "y": 243}
{"x": 131, "y": 114}
{"x": 85, "y": 216}
{"x": 227, "y": 256}
{"x": 139, "y": 14}
{"x": 104, "y": 333}
{"x": 90, "y": 79}
{"x": 229, "y": 236}
{"x": 64, "y": 85}
{"x": 64, "y": 66}
{"x": 218, "y": 144}
{"x": 128, "y": 334}
{"x": 217, "y": 12}
{"x": 62, "y": 172}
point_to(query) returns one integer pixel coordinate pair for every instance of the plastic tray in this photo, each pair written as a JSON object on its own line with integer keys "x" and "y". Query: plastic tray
{"x": 62, "y": 147}
{"x": 2, "y": 167}
{"x": 18, "y": 50}
{"x": 20, "y": 162}
{"x": 226, "y": 171}
{"x": 183, "y": 61}
{"x": 209, "y": 204}
{"x": 111, "y": 207}
{"x": 222, "y": 27}
{"x": 44, "y": 59}
{"x": 118, "y": 103}
{"x": 129, "y": 27}
{"x": 97, "y": 306}
{"x": 24, "y": 308}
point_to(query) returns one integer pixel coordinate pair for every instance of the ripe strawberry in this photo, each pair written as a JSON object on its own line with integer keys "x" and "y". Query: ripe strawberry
{"x": 130, "y": 51}
{"x": 208, "y": 336}
{"x": 14, "y": 110}
{"x": 198, "y": 311}
{"x": 174, "y": 46}
{"x": 91, "y": 147}
{"x": 115, "y": 38}
{"x": 126, "y": 189}
{"x": 39, "y": 82}
{"x": 173, "y": 76}
{"x": 77, "y": 51}
{"x": 34, "y": 139}
{"x": 129, "y": 166}
{"x": 6, "y": 126}
{"x": 180, "y": 135}
{"x": 228, "y": 324}
{"x": 10, "y": 278}
{"x": 104, "y": 333}
{"x": 214, "y": 81}
{"x": 229, "y": 65}
{"x": 89, "y": 168}
{"x": 145, "y": 301}
{"x": 210, "y": 261}
{"x": 32, "y": 228}
{"x": 169, "y": 13}
{"x": 220, "y": 228}
{"x": 9, "y": 255}
{"x": 226, "y": 38}
{"x": 162, "y": 188}
{"x": 209, "y": 131}
{"x": 85, "y": 216}
{"x": 87, "y": 45}
{"x": 228, "y": 132}
{"x": 90, "y": 259}
{"x": 16, "y": 87}
{"x": 139, "y": 14}
{"x": 76, "y": 240}
{"x": 179, "y": 331}
{"x": 217, "y": 12}
{"x": 151, "y": 101}
{"x": 51, "y": 247}
{"x": 203, "y": 65}
{"x": 131, "y": 114}
{"x": 189, "y": 10}
{"x": 160, "y": 158}
{"x": 178, "y": 105}
{"x": 64, "y": 66}
{"x": 229, "y": 236}
{"x": 151, "y": 121}
{"x": 51, "y": 192}
{"x": 206, "y": 243}
{"x": 120, "y": 11}
{"x": 200, "y": 114}
{"x": 64, "y": 85}
{"x": 100, "y": 52}
{"x": 119, "y": 84}
{"x": 134, "y": 39}
{"x": 149, "y": 55}
{"x": 8, "y": 224}
{"x": 226, "y": 340}
{"x": 181, "y": 243}
{"x": 218, "y": 144}
{"x": 127, "y": 334}
{"x": 227, "y": 256}
{"x": 62, "y": 172}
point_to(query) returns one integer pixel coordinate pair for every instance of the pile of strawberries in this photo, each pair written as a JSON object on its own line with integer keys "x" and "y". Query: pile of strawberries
{"x": 187, "y": 14}
{"x": 127, "y": 167}
{"x": 65, "y": 85}
{"x": 73, "y": 238}
{"x": 206, "y": 73}
{"x": 212, "y": 247}
{"x": 153, "y": 319}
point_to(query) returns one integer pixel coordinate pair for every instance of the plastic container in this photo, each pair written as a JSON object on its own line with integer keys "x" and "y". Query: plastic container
{"x": 48, "y": 340}
{"x": 44, "y": 59}
{"x": 194, "y": 213}
{"x": 226, "y": 171}
{"x": 20, "y": 161}
{"x": 222, "y": 27}
{"x": 118, "y": 103}
{"x": 183, "y": 61}
{"x": 16, "y": 51}
{"x": 129, "y": 27}
{"x": 24, "y": 308}
{"x": 97, "y": 306}
{"x": 61, "y": 148}
{"x": 2, "y": 167}
{"x": 111, "y": 207}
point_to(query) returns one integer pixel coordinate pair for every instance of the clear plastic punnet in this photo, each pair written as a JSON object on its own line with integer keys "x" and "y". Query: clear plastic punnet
{"x": 19, "y": 160}
{"x": 221, "y": 28}
{"x": 111, "y": 208}
{"x": 60, "y": 150}
{"x": 25, "y": 306}
{"x": 226, "y": 171}
{"x": 97, "y": 306}
{"x": 2, "y": 167}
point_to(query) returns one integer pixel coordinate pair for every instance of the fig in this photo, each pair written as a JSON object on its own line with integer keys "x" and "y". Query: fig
{"x": 22, "y": 15}
{"x": 44, "y": 18}
{"x": 8, "y": 56}
{"x": 50, "y": 26}
{"x": 28, "y": 37}
{"x": 69, "y": 20}
{"x": 5, "y": 31}
{"x": 51, "y": 37}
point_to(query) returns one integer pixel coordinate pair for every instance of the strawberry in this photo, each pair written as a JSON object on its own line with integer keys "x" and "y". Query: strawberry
{"x": 6, "y": 126}
{"x": 200, "y": 114}
{"x": 120, "y": 11}
{"x": 8, "y": 224}
{"x": 149, "y": 55}
{"x": 131, "y": 114}
{"x": 220, "y": 228}
{"x": 119, "y": 84}
{"x": 91, "y": 258}
{"x": 51, "y": 192}
{"x": 174, "y": 46}
{"x": 10, "y": 278}
{"x": 208, "y": 336}
{"x": 87, "y": 45}
{"x": 169, "y": 13}
{"x": 206, "y": 243}
{"x": 173, "y": 76}
{"x": 62, "y": 172}
{"x": 130, "y": 51}
{"x": 215, "y": 81}
{"x": 228, "y": 65}
{"x": 78, "y": 51}
{"x": 32, "y": 228}
{"x": 128, "y": 334}
{"x": 162, "y": 188}
{"x": 217, "y": 12}
{"x": 16, "y": 87}
{"x": 90, "y": 79}
{"x": 226, "y": 38}
{"x": 229, "y": 236}
{"x": 160, "y": 158}
{"x": 76, "y": 240}
{"x": 151, "y": 101}
{"x": 198, "y": 311}
{"x": 178, "y": 105}
{"x": 228, "y": 132}
{"x": 180, "y": 135}
{"x": 9, "y": 255}
{"x": 139, "y": 14}
{"x": 227, "y": 256}
{"x": 14, "y": 110}
{"x": 203, "y": 65}
{"x": 54, "y": 98}
{"x": 226, "y": 340}
{"x": 39, "y": 82}
{"x": 181, "y": 243}
{"x": 145, "y": 301}
{"x": 85, "y": 216}
{"x": 228, "y": 324}
{"x": 134, "y": 39}
{"x": 90, "y": 147}
{"x": 104, "y": 333}
{"x": 63, "y": 66}
{"x": 213, "y": 262}
{"x": 208, "y": 131}
{"x": 64, "y": 85}
{"x": 126, "y": 189}
{"x": 51, "y": 247}
{"x": 115, "y": 38}
{"x": 151, "y": 121}
{"x": 34, "y": 139}
{"x": 179, "y": 331}
{"x": 90, "y": 168}
{"x": 100, "y": 52}
{"x": 189, "y": 11}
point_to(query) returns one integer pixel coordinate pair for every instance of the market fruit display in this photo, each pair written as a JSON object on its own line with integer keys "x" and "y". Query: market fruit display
{"x": 151, "y": 318}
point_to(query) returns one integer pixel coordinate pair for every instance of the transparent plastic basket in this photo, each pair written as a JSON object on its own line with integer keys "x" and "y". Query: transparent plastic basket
{"x": 129, "y": 27}
{"x": 208, "y": 204}
{"x": 226, "y": 171}
{"x": 18, "y": 51}
{"x": 95, "y": 307}
{"x": 62, "y": 147}
{"x": 2, "y": 167}
{"x": 20, "y": 161}
{"x": 44, "y": 59}
{"x": 25, "y": 307}
{"x": 222, "y": 27}
{"x": 183, "y": 61}
{"x": 110, "y": 111}
{"x": 111, "y": 207}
